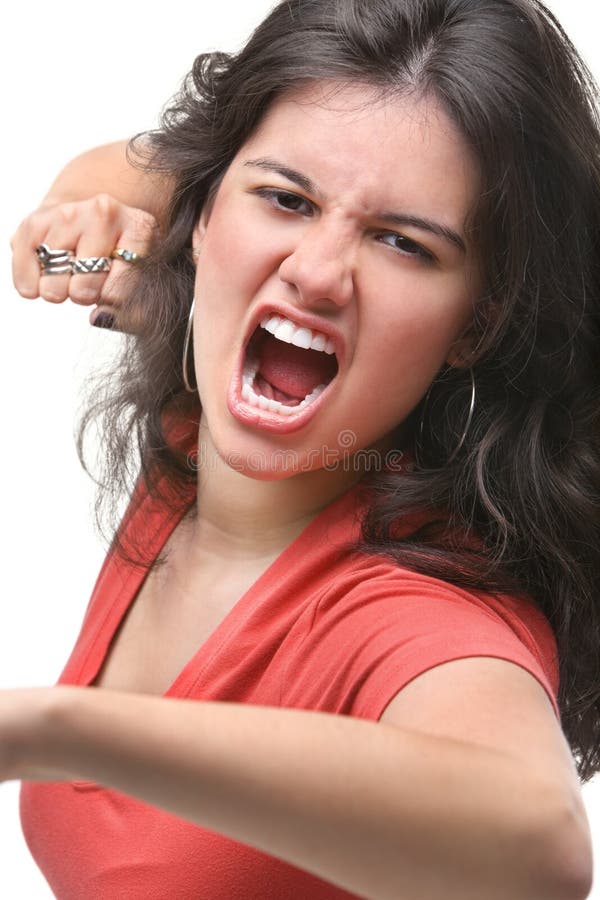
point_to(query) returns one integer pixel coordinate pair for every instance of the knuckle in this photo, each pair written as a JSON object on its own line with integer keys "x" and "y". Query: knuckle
{"x": 145, "y": 219}
{"x": 27, "y": 291}
{"x": 144, "y": 224}
{"x": 110, "y": 293}
{"x": 23, "y": 230}
{"x": 66, "y": 213}
{"x": 36, "y": 224}
{"x": 120, "y": 284}
{"x": 24, "y": 285}
{"x": 52, "y": 294}
{"x": 105, "y": 206}
{"x": 83, "y": 293}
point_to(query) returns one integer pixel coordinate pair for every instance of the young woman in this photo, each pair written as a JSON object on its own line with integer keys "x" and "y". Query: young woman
{"x": 345, "y": 641}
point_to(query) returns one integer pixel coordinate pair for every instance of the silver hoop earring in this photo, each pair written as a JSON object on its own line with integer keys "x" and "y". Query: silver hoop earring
{"x": 463, "y": 436}
{"x": 186, "y": 350}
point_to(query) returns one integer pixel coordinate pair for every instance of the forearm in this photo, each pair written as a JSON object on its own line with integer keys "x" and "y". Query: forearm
{"x": 108, "y": 170}
{"x": 382, "y": 812}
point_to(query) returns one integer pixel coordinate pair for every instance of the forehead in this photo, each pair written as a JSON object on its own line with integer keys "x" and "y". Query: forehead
{"x": 370, "y": 150}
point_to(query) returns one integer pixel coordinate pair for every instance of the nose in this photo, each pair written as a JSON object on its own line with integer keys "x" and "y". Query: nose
{"x": 321, "y": 265}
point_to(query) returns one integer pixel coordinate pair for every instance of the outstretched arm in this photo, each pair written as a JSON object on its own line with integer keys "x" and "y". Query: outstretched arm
{"x": 380, "y": 810}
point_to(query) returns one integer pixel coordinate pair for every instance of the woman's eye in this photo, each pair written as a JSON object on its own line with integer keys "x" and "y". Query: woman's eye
{"x": 285, "y": 200}
{"x": 405, "y": 245}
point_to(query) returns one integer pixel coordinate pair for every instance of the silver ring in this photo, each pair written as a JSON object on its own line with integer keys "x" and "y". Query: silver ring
{"x": 128, "y": 256}
{"x": 57, "y": 269}
{"x": 53, "y": 262}
{"x": 89, "y": 265}
{"x": 45, "y": 253}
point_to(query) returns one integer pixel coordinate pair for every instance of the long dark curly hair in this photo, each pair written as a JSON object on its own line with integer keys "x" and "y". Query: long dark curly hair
{"x": 527, "y": 478}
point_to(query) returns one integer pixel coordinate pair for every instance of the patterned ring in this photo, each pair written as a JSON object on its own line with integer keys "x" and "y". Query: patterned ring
{"x": 128, "y": 256}
{"x": 49, "y": 258}
{"x": 90, "y": 265}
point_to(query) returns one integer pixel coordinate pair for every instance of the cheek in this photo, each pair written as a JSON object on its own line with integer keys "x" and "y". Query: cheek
{"x": 222, "y": 245}
{"x": 238, "y": 254}
{"x": 416, "y": 329}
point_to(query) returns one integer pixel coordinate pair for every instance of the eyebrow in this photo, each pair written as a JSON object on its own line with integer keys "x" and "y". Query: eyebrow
{"x": 393, "y": 218}
{"x": 272, "y": 165}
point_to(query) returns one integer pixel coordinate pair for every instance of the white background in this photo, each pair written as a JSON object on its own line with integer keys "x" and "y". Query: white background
{"x": 74, "y": 75}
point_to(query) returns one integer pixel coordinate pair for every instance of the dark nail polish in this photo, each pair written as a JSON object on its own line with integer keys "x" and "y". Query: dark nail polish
{"x": 104, "y": 320}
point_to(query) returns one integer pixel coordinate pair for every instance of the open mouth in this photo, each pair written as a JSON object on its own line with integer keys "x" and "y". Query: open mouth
{"x": 286, "y": 369}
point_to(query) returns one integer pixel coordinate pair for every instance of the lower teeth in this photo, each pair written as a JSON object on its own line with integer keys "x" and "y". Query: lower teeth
{"x": 254, "y": 399}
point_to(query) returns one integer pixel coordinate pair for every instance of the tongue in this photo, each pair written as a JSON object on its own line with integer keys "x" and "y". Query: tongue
{"x": 292, "y": 370}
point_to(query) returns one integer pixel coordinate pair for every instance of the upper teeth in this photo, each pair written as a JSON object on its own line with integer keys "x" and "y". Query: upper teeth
{"x": 288, "y": 331}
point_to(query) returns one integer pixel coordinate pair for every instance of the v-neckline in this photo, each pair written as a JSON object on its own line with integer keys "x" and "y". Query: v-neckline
{"x": 133, "y": 578}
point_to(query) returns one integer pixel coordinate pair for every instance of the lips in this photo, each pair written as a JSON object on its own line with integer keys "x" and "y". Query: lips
{"x": 266, "y": 413}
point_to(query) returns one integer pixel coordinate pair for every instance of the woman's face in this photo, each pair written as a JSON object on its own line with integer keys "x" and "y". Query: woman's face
{"x": 340, "y": 226}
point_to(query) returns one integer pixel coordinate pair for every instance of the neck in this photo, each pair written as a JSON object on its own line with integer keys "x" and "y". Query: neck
{"x": 243, "y": 517}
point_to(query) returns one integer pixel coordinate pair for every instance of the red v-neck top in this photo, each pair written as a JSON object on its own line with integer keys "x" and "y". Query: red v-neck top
{"x": 324, "y": 628}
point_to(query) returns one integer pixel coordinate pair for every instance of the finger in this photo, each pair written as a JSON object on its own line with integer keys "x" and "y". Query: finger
{"x": 115, "y": 318}
{"x": 25, "y": 264}
{"x": 56, "y": 226}
{"x": 54, "y": 287}
{"x": 104, "y": 317}
{"x": 138, "y": 235}
{"x": 103, "y": 225}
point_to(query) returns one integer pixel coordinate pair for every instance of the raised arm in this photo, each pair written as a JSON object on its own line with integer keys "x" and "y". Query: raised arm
{"x": 110, "y": 170}
{"x": 99, "y": 202}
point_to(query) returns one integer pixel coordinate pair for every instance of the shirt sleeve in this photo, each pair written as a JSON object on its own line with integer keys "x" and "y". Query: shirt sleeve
{"x": 375, "y": 631}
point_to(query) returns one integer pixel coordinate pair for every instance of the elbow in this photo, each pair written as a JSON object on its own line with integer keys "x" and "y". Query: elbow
{"x": 576, "y": 879}
{"x": 568, "y": 854}
{"x": 571, "y": 883}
